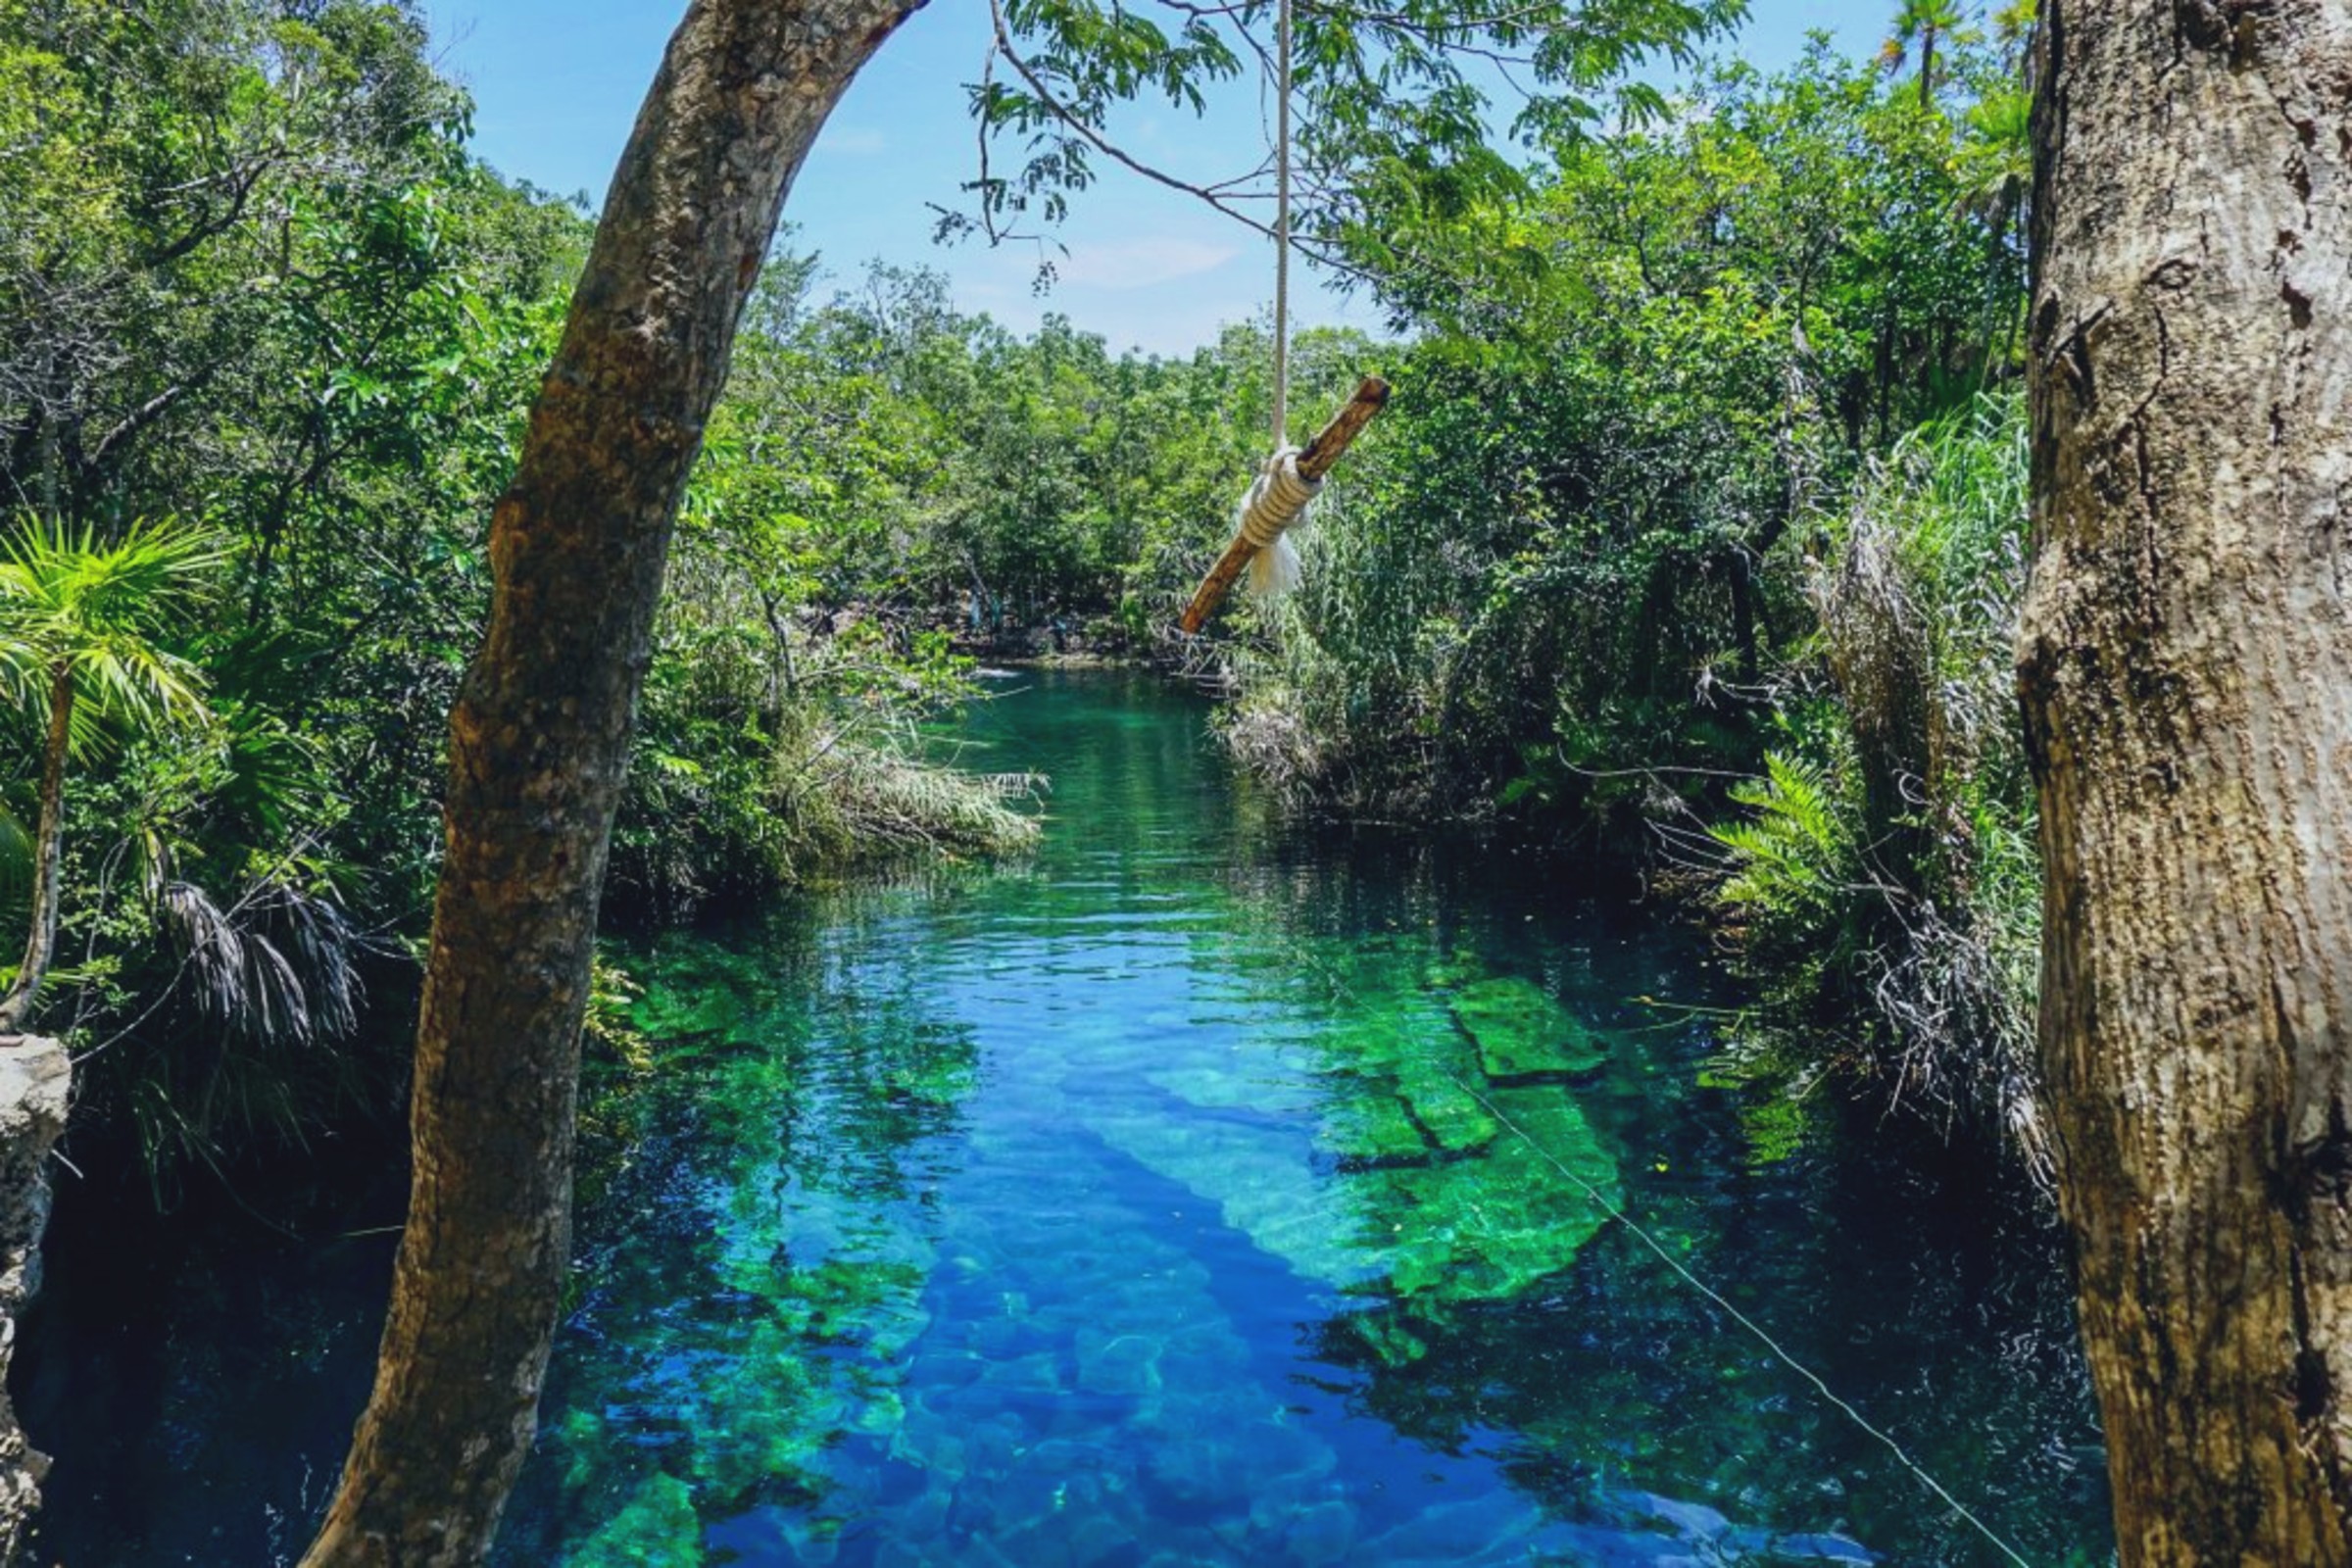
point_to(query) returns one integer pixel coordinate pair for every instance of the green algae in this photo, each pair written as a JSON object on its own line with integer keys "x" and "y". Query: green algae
{"x": 1444, "y": 1105}
{"x": 792, "y": 1286}
{"x": 1459, "y": 1179}
{"x": 1502, "y": 1189}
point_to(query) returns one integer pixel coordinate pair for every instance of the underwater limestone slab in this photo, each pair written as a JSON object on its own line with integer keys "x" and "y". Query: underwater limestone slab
{"x": 657, "y": 1523}
{"x": 1441, "y": 1103}
{"x": 1210, "y": 1463}
{"x": 1521, "y": 1030}
{"x": 1318, "y": 1535}
{"x": 1370, "y": 1124}
{"x": 1258, "y": 1081}
{"x": 896, "y": 1328}
{"x": 1044, "y": 1517}
{"x": 1304, "y": 1519}
{"x": 1402, "y": 1049}
{"x": 1037, "y": 1373}
{"x": 1117, "y": 1364}
{"x": 991, "y": 1447}
{"x": 37, "y": 1084}
{"x": 1486, "y": 1229}
{"x": 1710, "y": 1536}
{"x": 1379, "y": 1034}
{"x": 1493, "y": 1528}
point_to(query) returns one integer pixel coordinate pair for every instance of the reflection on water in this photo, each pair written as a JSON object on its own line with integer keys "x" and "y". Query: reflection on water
{"x": 1194, "y": 1195}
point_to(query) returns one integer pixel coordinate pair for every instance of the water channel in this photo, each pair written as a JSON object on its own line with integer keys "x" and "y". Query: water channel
{"x": 1193, "y": 1191}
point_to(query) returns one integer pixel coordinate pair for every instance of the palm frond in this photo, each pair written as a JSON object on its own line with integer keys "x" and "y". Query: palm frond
{"x": 280, "y": 966}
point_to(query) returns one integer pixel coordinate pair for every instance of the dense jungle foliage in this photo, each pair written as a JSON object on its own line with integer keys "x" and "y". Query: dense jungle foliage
{"x": 1691, "y": 542}
{"x": 1695, "y": 543}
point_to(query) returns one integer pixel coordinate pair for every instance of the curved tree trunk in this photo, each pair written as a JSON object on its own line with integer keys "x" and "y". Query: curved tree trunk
{"x": 2187, "y": 672}
{"x": 538, "y": 744}
{"x": 48, "y": 852}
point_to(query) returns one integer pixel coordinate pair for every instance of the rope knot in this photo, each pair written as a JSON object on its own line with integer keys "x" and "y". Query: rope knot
{"x": 1277, "y": 499}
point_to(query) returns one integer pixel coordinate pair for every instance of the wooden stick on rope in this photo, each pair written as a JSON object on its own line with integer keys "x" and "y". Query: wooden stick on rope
{"x": 1315, "y": 461}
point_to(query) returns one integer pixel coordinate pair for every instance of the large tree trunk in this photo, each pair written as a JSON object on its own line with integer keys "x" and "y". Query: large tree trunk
{"x": 538, "y": 744}
{"x": 48, "y": 850}
{"x": 2186, "y": 670}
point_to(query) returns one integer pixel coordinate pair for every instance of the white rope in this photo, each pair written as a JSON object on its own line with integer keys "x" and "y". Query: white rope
{"x": 1282, "y": 222}
{"x": 1278, "y": 497}
{"x": 1276, "y": 500}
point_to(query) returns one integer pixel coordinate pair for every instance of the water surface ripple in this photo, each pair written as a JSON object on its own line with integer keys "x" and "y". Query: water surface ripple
{"x": 1146, "y": 1203}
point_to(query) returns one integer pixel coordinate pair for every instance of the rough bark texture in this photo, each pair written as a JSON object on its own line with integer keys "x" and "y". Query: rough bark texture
{"x": 2186, "y": 669}
{"x": 40, "y": 948}
{"x": 538, "y": 744}
{"x": 37, "y": 1080}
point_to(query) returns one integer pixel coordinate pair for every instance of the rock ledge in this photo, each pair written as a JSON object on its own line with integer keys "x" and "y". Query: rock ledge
{"x": 37, "y": 1080}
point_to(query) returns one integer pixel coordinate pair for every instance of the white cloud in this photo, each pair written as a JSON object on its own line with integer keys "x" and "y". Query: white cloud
{"x": 854, "y": 141}
{"x": 1138, "y": 264}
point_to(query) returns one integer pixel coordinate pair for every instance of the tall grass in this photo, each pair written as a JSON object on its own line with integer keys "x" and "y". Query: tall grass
{"x": 746, "y": 783}
{"x": 1886, "y": 864}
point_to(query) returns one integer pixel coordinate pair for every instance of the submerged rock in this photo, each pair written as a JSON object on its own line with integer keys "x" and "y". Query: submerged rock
{"x": 1450, "y": 1112}
{"x": 1521, "y": 1030}
{"x": 1372, "y": 1127}
{"x": 1486, "y": 1229}
{"x": 1263, "y": 1184}
{"x": 1492, "y": 1526}
{"x": 1125, "y": 1363}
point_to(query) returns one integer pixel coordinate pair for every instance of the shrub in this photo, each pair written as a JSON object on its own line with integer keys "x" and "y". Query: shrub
{"x": 1893, "y": 870}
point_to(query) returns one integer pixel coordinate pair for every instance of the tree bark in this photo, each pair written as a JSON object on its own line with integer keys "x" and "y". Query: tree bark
{"x": 49, "y": 843}
{"x": 538, "y": 744}
{"x": 2186, "y": 663}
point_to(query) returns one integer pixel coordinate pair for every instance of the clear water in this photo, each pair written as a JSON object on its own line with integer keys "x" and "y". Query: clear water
{"x": 1190, "y": 1194}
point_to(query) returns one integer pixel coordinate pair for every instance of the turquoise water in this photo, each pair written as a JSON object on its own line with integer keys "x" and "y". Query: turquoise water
{"x": 1189, "y": 1193}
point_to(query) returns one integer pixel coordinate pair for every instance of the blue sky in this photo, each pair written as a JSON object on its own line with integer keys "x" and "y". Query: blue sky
{"x": 556, "y": 83}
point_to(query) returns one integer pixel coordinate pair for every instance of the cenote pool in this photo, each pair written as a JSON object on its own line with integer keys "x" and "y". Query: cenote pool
{"x": 1192, "y": 1192}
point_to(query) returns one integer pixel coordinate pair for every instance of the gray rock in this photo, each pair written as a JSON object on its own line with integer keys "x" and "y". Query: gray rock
{"x": 36, "y": 1081}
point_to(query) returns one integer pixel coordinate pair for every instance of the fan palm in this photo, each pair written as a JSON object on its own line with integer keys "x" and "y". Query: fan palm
{"x": 78, "y": 623}
{"x": 1923, "y": 23}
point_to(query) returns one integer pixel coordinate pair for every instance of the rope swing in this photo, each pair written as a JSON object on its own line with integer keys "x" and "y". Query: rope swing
{"x": 1291, "y": 476}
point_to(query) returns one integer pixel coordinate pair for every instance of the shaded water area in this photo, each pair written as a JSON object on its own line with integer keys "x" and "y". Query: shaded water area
{"x": 1192, "y": 1192}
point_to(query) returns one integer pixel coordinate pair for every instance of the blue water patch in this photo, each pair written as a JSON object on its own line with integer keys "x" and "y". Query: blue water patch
{"x": 1202, "y": 1192}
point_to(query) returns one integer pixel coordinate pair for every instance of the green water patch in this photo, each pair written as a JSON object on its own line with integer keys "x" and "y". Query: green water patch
{"x": 1374, "y": 1129}
{"x": 1400, "y": 1149}
{"x": 1487, "y": 1230}
{"x": 1521, "y": 1031}
{"x": 1462, "y": 1171}
{"x": 761, "y": 1273}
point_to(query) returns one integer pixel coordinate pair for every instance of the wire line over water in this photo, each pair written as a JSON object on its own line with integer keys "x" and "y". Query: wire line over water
{"x": 1681, "y": 1271}
{"x": 1762, "y": 1337}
